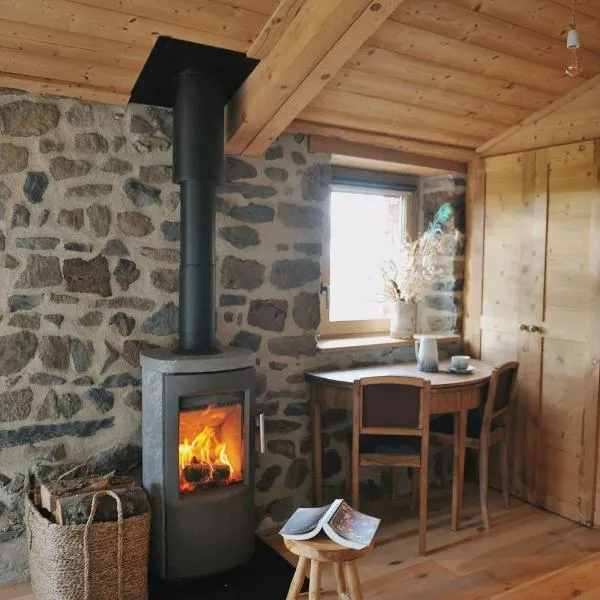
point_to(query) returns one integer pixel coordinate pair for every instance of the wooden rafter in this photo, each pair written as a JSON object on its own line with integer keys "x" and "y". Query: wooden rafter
{"x": 325, "y": 35}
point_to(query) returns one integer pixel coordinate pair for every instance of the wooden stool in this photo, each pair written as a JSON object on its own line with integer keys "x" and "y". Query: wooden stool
{"x": 323, "y": 550}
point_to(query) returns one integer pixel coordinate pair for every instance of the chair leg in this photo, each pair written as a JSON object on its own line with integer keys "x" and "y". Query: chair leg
{"x": 298, "y": 578}
{"x": 352, "y": 580}
{"x": 340, "y": 581}
{"x": 394, "y": 483}
{"x": 314, "y": 586}
{"x": 484, "y": 455}
{"x": 424, "y": 484}
{"x": 414, "y": 489}
{"x": 446, "y": 466}
{"x": 504, "y": 472}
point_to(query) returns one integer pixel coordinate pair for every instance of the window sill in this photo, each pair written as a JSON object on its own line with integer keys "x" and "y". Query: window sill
{"x": 343, "y": 344}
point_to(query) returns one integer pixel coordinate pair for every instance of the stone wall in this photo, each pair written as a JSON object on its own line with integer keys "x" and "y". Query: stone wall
{"x": 89, "y": 231}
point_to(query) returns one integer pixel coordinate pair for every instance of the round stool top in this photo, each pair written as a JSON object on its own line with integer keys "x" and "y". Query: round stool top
{"x": 323, "y": 549}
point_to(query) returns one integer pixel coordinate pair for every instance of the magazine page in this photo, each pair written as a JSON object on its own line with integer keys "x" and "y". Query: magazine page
{"x": 351, "y": 528}
{"x": 305, "y": 523}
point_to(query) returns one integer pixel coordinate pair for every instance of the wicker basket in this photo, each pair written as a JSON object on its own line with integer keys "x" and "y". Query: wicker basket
{"x": 96, "y": 561}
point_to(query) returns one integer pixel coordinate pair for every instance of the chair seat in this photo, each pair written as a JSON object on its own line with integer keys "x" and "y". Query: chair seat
{"x": 390, "y": 444}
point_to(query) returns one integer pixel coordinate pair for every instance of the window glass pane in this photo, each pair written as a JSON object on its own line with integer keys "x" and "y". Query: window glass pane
{"x": 364, "y": 227}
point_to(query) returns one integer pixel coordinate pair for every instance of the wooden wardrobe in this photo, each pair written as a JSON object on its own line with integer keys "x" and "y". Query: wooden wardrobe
{"x": 533, "y": 295}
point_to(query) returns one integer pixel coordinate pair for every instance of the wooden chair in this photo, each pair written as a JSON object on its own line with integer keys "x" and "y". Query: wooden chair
{"x": 486, "y": 427}
{"x": 391, "y": 429}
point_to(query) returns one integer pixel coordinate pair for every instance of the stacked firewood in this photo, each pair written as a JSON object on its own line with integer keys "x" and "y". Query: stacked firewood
{"x": 69, "y": 501}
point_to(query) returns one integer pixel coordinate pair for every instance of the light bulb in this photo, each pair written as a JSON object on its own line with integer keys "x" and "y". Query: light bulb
{"x": 574, "y": 67}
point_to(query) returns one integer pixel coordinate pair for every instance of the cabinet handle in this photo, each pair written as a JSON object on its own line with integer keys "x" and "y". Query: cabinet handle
{"x": 523, "y": 327}
{"x": 261, "y": 430}
{"x": 534, "y": 329}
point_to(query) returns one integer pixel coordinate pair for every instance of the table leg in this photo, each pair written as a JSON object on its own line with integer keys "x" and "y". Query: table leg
{"x": 315, "y": 409}
{"x": 460, "y": 435}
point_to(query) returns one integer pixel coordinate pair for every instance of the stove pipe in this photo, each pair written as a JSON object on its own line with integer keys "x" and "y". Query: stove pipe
{"x": 198, "y": 150}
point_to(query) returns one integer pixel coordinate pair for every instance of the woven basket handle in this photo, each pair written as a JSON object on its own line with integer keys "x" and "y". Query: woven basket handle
{"x": 86, "y": 550}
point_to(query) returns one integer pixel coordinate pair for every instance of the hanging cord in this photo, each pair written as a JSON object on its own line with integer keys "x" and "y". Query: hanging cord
{"x": 573, "y": 24}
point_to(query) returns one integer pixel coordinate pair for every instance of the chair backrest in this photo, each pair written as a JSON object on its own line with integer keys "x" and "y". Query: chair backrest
{"x": 392, "y": 405}
{"x": 501, "y": 392}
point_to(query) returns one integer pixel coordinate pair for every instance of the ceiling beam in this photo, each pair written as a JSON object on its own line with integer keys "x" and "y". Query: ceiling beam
{"x": 324, "y": 36}
{"x": 327, "y": 145}
{"x": 562, "y": 101}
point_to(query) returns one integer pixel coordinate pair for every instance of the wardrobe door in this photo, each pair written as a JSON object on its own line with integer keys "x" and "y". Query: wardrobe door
{"x": 570, "y": 335}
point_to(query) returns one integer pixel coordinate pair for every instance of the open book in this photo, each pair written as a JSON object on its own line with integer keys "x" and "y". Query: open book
{"x": 338, "y": 520}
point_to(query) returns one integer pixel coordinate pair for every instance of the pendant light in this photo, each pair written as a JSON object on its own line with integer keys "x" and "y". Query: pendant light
{"x": 574, "y": 67}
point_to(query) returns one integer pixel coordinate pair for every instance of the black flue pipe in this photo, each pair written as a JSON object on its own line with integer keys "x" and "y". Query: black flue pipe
{"x": 198, "y": 151}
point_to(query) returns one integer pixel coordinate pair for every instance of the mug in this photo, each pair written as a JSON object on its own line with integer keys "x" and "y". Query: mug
{"x": 460, "y": 362}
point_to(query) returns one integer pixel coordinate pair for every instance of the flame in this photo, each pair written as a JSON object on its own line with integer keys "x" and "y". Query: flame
{"x": 206, "y": 452}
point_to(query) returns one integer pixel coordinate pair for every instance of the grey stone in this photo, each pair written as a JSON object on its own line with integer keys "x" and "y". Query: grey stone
{"x": 15, "y": 405}
{"x": 141, "y": 194}
{"x": 123, "y": 323}
{"x": 87, "y": 276}
{"x": 89, "y": 190}
{"x": 35, "y": 185}
{"x": 55, "y": 319}
{"x": 118, "y": 142}
{"x": 268, "y": 314}
{"x": 282, "y": 247}
{"x": 112, "y": 355}
{"x": 2, "y": 242}
{"x": 133, "y": 399}
{"x": 65, "y": 168}
{"x": 40, "y": 272}
{"x": 63, "y": 299}
{"x": 25, "y": 321}
{"x": 77, "y": 247}
{"x": 48, "y": 454}
{"x": 442, "y": 324}
{"x": 71, "y": 218}
{"x": 277, "y": 366}
{"x": 286, "y": 448}
{"x": 246, "y": 339}
{"x": 168, "y": 255}
{"x": 281, "y": 426}
{"x": 92, "y": 143}
{"x": 101, "y": 399}
{"x": 269, "y": 409}
{"x": 37, "y": 243}
{"x": 300, "y": 345}
{"x": 91, "y": 319}
{"x": 288, "y": 274}
{"x": 240, "y": 237}
{"x": 298, "y": 158}
{"x": 130, "y": 302}
{"x": 140, "y": 126}
{"x": 232, "y": 300}
{"x": 172, "y": 201}
{"x": 148, "y": 143}
{"x": 296, "y": 409}
{"x": 441, "y": 302}
{"x": 25, "y": 119}
{"x": 228, "y": 317}
{"x": 274, "y": 152}
{"x": 46, "y": 379}
{"x": 156, "y": 174}
{"x": 31, "y": 434}
{"x": 276, "y": 174}
{"x": 300, "y": 217}
{"x": 332, "y": 463}
{"x": 121, "y": 458}
{"x": 48, "y": 145}
{"x": 115, "y": 248}
{"x": 99, "y": 219}
{"x": 68, "y": 405}
{"x": 307, "y": 311}
{"x": 162, "y": 119}
{"x": 43, "y": 217}
{"x": 80, "y": 115}
{"x": 296, "y": 378}
{"x": 120, "y": 380}
{"x": 237, "y": 274}
{"x": 236, "y": 169}
{"x": 297, "y": 473}
{"x": 11, "y": 531}
{"x": 13, "y": 159}
{"x": 171, "y": 230}
{"x": 315, "y": 183}
{"x": 84, "y": 380}
{"x": 453, "y": 285}
{"x": 268, "y": 478}
{"x": 126, "y": 272}
{"x": 21, "y": 302}
{"x": 117, "y": 165}
{"x": 132, "y": 349}
{"x": 54, "y": 352}
{"x": 82, "y": 353}
{"x": 278, "y": 510}
{"x": 134, "y": 224}
{"x": 252, "y": 213}
{"x": 16, "y": 484}
{"x": 309, "y": 248}
{"x": 163, "y": 322}
{"x": 20, "y": 216}
{"x": 222, "y": 206}
{"x": 166, "y": 280}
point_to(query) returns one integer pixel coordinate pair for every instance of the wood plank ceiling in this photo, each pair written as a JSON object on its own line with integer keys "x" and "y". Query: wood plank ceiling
{"x": 432, "y": 77}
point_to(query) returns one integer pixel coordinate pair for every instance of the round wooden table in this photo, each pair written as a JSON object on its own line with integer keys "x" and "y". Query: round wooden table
{"x": 450, "y": 394}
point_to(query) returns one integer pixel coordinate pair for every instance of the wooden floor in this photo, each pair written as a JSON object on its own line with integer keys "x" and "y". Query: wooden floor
{"x": 529, "y": 554}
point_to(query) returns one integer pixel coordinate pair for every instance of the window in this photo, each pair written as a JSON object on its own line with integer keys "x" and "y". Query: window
{"x": 365, "y": 222}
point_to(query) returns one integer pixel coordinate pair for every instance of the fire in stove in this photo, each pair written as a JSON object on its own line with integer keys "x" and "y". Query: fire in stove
{"x": 210, "y": 447}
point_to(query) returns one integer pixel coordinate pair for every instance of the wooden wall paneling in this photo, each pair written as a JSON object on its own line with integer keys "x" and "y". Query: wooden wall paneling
{"x": 473, "y": 292}
{"x": 592, "y": 391}
{"x": 445, "y": 77}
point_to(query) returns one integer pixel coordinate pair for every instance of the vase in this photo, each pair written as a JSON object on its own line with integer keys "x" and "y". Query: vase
{"x": 402, "y": 321}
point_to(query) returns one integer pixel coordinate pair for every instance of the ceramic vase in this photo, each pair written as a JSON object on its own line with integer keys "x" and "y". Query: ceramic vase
{"x": 402, "y": 320}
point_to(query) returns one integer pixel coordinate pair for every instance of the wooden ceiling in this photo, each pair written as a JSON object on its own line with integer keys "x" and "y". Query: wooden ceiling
{"x": 429, "y": 77}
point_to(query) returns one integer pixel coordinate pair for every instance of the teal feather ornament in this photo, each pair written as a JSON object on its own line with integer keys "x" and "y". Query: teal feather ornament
{"x": 443, "y": 214}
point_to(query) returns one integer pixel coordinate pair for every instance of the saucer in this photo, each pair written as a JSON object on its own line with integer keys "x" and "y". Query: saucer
{"x": 469, "y": 369}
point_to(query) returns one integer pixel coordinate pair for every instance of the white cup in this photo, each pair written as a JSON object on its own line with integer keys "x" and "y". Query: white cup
{"x": 460, "y": 362}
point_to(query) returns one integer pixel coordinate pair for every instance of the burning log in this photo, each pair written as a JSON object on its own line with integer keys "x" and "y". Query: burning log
{"x": 199, "y": 473}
